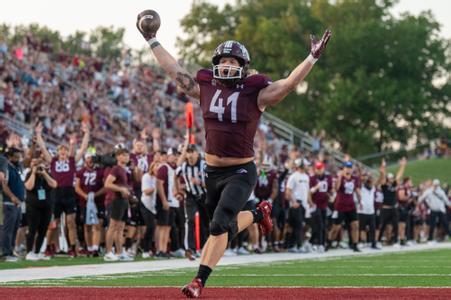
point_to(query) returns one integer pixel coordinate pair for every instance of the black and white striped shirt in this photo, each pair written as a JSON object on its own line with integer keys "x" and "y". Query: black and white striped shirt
{"x": 197, "y": 171}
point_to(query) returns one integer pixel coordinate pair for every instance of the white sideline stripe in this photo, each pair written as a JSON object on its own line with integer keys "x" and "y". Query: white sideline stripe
{"x": 288, "y": 275}
{"x": 283, "y": 275}
{"x": 60, "y": 272}
{"x": 235, "y": 287}
{"x": 321, "y": 275}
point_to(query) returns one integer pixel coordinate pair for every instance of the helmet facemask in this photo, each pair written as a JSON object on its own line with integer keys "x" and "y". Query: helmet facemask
{"x": 229, "y": 74}
{"x": 236, "y": 71}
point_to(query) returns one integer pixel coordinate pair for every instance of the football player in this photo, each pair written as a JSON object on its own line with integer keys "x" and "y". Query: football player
{"x": 389, "y": 213}
{"x": 62, "y": 169}
{"x": 89, "y": 185}
{"x": 231, "y": 102}
{"x": 167, "y": 201}
{"x": 321, "y": 190}
{"x": 345, "y": 210}
{"x": 405, "y": 199}
{"x": 140, "y": 161}
{"x": 267, "y": 188}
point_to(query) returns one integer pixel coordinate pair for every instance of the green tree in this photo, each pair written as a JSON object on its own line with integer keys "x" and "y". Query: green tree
{"x": 104, "y": 42}
{"x": 378, "y": 82}
{"x": 37, "y": 33}
{"x": 77, "y": 44}
{"x": 5, "y": 31}
{"x": 107, "y": 42}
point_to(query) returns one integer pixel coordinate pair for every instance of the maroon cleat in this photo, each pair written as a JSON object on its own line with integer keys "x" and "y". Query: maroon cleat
{"x": 266, "y": 224}
{"x": 49, "y": 252}
{"x": 193, "y": 289}
{"x": 84, "y": 252}
{"x": 72, "y": 253}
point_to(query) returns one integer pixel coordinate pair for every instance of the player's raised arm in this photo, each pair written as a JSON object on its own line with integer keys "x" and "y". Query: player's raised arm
{"x": 278, "y": 90}
{"x": 41, "y": 143}
{"x": 148, "y": 23}
{"x": 84, "y": 144}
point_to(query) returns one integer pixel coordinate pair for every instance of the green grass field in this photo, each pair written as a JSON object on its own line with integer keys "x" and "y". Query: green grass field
{"x": 430, "y": 268}
{"x": 422, "y": 170}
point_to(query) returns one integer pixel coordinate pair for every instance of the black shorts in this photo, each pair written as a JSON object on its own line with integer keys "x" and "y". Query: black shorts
{"x": 346, "y": 216}
{"x": 378, "y": 218}
{"x": 118, "y": 210}
{"x": 65, "y": 201}
{"x": 418, "y": 220}
{"x": 366, "y": 220}
{"x": 403, "y": 213}
{"x": 276, "y": 208}
{"x": 228, "y": 190}
{"x": 100, "y": 214}
{"x": 296, "y": 216}
{"x": 281, "y": 217}
{"x": 165, "y": 217}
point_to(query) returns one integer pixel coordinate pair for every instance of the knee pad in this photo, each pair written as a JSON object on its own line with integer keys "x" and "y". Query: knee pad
{"x": 218, "y": 228}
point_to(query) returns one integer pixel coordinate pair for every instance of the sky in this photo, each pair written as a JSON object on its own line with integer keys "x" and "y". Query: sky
{"x": 85, "y": 15}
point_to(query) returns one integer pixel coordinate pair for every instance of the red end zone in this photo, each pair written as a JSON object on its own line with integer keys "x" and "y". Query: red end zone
{"x": 226, "y": 293}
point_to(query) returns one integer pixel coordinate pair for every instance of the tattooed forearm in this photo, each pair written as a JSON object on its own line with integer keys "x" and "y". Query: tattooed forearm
{"x": 185, "y": 81}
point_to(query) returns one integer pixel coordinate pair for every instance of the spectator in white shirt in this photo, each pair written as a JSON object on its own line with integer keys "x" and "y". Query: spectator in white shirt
{"x": 147, "y": 207}
{"x": 367, "y": 212}
{"x": 298, "y": 195}
{"x": 437, "y": 201}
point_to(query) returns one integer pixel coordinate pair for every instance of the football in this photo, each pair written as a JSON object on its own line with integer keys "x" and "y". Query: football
{"x": 149, "y": 21}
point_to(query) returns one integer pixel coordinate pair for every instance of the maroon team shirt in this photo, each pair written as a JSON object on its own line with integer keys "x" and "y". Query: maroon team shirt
{"x": 265, "y": 181}
{"x": 321, "y": 196}
{"x": 408, "y": 194}
{"x": 162, "y": 174}
{"x": 91, "y": 180}
{"x": 122, "y": 179}
{"x": 345, "y": 194}
{"x": 231, "y": 114}
{"x": 143, "y": 161}
{"x": 63, "y": 171}
{"x": 109, "y": 195}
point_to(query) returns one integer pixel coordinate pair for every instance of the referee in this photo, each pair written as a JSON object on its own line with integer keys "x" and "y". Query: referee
{"x": 191, "y": 171}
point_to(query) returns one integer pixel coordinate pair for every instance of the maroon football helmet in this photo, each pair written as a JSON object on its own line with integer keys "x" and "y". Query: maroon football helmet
{"x": 231, "y": 49}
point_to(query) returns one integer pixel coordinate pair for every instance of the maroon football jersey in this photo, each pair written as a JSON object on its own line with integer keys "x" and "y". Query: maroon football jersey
{"x": 91, "y": 180}
{"x": 143, "y": 161}
{"x": 231, "y": 114}
{"x": 265, "y": 181}
{"x": 321, "y": 196}
{"x": 345, "y": 194}
{"x": 407, "y": 193}
{"x": 63, "y": 171}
